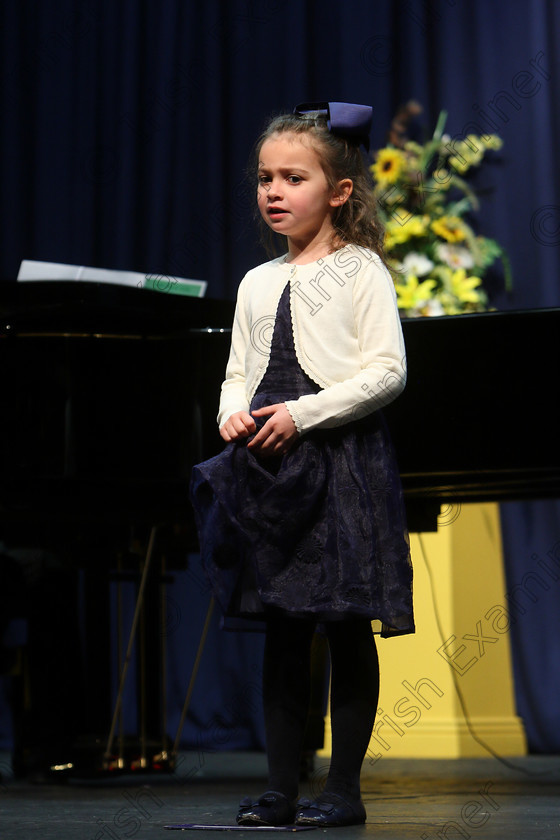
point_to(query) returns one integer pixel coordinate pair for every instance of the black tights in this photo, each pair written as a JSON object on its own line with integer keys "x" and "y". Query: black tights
{"x": 286, "y": 691}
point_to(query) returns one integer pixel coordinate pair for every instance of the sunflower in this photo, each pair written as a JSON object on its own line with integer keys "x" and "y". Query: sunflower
{"x": 388, "y": 166}
{"x": 450, "y": 228}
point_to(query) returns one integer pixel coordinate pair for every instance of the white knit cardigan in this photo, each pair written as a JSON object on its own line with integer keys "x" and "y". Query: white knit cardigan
{"x": 347, "y": 336}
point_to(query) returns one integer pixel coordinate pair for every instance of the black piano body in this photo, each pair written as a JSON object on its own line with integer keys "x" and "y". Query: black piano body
{"x": 108, "y": 387}
{"x": 477, "y": 421}
{"x": 99, "y": 412}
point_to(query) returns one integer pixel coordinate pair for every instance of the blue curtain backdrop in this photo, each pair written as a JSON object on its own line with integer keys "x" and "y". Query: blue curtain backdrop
{"x": 126, "y": 131}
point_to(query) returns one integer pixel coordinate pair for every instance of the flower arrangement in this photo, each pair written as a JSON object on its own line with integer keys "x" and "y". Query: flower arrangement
{"x": 439, "y": 262}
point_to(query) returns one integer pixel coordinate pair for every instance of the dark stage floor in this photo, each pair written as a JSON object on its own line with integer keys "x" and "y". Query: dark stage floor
{"x": 425, "y": 799}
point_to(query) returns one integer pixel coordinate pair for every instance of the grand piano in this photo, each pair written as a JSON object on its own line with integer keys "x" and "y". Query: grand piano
{"x": 109, "y": 396}
{"x": 110, "y": 393}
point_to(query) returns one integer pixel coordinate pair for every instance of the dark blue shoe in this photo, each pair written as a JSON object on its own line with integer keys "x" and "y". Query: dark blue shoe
{"x": 330, "y": 809}
{"x": 272, "y": 808}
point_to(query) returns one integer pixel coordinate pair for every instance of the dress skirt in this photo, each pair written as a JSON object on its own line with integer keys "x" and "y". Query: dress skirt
{"x": 318, "y": 533}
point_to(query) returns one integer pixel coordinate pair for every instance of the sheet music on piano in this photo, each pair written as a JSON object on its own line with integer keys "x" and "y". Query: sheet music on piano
{"x": 32, "y": 270}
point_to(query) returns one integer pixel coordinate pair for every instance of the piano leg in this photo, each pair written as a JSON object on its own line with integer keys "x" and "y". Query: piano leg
{"x": 45, "y": 688}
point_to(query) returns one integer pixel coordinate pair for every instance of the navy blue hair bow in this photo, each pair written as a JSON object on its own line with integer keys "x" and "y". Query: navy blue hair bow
{"x": 343, "y": 118}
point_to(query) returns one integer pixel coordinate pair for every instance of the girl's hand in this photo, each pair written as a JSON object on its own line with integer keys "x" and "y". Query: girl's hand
{"x": 239, "y": 425}
{"x": 278, "y": 434}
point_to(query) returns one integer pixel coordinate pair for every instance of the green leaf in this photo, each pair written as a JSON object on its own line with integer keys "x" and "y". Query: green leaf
{"x": 440, "y": 125}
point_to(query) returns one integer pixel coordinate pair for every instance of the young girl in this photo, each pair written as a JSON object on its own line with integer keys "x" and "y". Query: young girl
{"x": 301, "y": 518}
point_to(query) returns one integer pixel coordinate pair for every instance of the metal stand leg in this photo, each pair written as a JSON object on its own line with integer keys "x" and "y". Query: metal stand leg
{"x": 163, "y": 760}
{"x": 118, "y": 763}
{"x": 137, "y": 612}
{"x": 193, "y": 674}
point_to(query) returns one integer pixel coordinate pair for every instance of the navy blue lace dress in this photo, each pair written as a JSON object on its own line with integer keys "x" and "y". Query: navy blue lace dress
{"x": 319, "y": 532}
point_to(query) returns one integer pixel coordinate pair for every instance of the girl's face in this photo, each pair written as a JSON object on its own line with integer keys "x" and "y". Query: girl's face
{"x": 293, "y": 196}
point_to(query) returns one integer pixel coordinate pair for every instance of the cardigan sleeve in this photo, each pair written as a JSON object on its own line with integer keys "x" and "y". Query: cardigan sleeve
{"x": 233, "y": 395}
{"x": 381, "y": 376}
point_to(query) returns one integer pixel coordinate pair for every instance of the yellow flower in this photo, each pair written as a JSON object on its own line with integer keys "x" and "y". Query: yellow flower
{"x": 392, "y": 239}
{"x": 416, "y": 226}
{"x": 398, "y": 232}
{"x": 388, "y": 166}
{"x": 441, "y": 179}
{"x": 492, "y": 141}
{"x": 460, "y": 164}
{"x": 468, "y": 152}
{"x": 394, "y": 234}
{"x": 450, "y": 228}
{"x": 412, "y": 294}
{"x": 463, "y": 287}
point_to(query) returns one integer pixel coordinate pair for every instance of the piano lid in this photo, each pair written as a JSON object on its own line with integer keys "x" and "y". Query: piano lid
{"x": 74, "y": 307}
